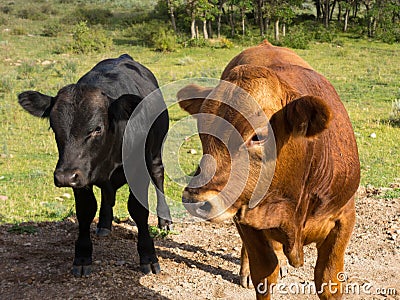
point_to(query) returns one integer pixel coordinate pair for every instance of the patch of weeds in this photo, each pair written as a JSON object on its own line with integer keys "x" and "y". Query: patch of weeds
{"x": 157, "y": 232}
{"x": 392, "y": 194}
{"x": 23, "y": 229}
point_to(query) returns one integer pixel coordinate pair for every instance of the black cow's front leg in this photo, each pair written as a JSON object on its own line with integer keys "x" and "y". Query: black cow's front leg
{"x": 106, "y": 210}
{"x": 86, "y": 206}
{"x": 147, "y": 253}
{"x": 157, "y": 176}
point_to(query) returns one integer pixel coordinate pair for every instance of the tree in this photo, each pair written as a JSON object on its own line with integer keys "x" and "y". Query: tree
{"x": 171, "y": 5}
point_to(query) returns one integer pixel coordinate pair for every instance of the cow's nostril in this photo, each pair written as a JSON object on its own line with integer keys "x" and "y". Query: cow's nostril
{"x": 74, "y": 177}
{"x": 206, "y": 206}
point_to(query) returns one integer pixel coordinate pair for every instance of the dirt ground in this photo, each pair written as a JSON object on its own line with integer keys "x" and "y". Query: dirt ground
{"x": 201, "y": 262}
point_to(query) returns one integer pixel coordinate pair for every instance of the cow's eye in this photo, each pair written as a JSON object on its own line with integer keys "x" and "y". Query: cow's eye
{"x": 97, "y": 131}
{"x": 258, "y": 138}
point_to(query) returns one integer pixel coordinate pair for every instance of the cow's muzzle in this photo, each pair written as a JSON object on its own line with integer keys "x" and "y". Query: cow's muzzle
{"x": 69, "y": 178}
{"x": 207, "y": 205}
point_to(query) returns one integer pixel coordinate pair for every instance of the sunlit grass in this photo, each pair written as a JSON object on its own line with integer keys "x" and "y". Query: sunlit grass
{"x": 365, "y": 74}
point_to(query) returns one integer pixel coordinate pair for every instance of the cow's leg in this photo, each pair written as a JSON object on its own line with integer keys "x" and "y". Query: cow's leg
{"x": 328, "y": 273}
{"x": 157, "y": 176}
{"x": 264, "y": 267}
{"x": 140, "y": 214}
{"x": 106, "y": 210}
{"x": 86, "y": 207}
{"x": 245, "y": 279}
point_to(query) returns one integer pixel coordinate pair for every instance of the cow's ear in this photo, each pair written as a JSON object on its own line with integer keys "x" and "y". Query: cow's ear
{"x": 191, "y": 97}
{"x": 122, "y": 108}
{"x": 36, "y": 104}
{"x": 307, "y": 116}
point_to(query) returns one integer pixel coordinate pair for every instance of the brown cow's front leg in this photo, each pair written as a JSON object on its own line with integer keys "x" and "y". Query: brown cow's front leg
{"x": 86, "y": 207}
{"x": 245, "y": 279}
{"x": 264, "y": 267}
{"x": 328, "y": 273}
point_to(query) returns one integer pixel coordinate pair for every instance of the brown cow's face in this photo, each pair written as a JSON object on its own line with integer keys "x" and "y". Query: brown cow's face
{"x": 238, "y": 139}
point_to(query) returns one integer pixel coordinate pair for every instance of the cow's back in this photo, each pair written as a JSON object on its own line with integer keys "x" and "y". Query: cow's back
{"x": 265, "y": 55}
{"x": 120, "y": 76}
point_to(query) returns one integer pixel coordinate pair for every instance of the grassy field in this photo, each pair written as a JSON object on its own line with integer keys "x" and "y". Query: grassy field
{"x": 365, "y": 74}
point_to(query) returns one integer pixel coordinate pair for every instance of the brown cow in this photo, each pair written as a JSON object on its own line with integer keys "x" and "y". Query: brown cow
{"x": 310, "y": 198}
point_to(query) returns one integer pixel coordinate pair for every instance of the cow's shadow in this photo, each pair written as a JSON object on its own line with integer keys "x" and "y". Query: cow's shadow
{"x": 37, "y": 257}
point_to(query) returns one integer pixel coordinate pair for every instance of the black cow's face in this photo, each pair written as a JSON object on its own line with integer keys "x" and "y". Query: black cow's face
{"x": 87, "y": 127}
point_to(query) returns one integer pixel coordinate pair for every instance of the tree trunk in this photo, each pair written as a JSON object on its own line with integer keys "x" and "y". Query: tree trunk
{"x": 205, "y": 33}
{"x": 276, "y": 27}
{"x": 260, "y": 17}
{"x": 346, "y": 19}
{"x": 232, "y": 21}
{"x": 193, "y": 28}
{"x": 221, "y": 3}
{"x": 339, "y": 15}
{"x": 210, "y": 31}
{"x": 171, "y": 14}
{"x": 243, "y": 24}
{"x": 318, "y": 8}
{"x": 332, "y": 10}
{"x": 284, "y": 29}
{"x": 197, "y": 32}
{"x": 326, "y": 14}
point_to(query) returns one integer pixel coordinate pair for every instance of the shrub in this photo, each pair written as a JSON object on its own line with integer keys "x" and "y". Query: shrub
{"x": 86, "y": 40}
{"x": 19, "y": 31}
{"x": 297, "y": 38}
{"x": 93, "y": 16}
{"x": 395, "y": 114}
{"x": 200, "y": 42}
{"x": 164, "y": 40}
{"x": 153, "y": 34}
{"x": 52, "y": 29}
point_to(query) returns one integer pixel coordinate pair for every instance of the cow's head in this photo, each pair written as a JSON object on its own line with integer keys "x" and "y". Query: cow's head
{"x": 242, "y": 124}
{"x": 86, "y": 126}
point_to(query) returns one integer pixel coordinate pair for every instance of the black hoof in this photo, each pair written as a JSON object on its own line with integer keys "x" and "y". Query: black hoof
{"x": 245, "y": 281}
{"x": 150, "y": 268}
{"x": 81, "y": 271}
{"x": 102, "y": 232}
{"x": 165, "y": 224}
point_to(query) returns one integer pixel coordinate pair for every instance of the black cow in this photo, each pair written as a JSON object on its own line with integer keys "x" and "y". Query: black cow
{"x": 89, "y": 119}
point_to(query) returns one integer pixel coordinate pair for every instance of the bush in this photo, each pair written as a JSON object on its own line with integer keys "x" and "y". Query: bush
{"x": 297, "y": 38}
{"x": 164, "y": 40}
{"x": 52, "y": 29}
{"x": 200, "y": 42}
{"x": 153, "y": 34}
{"x": 395, "y": 114}
{"x": 86, "y": 40}
{"x": 93, "y": 16}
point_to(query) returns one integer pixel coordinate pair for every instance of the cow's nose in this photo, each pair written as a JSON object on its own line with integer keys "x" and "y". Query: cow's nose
{"x": 67, "y": 178}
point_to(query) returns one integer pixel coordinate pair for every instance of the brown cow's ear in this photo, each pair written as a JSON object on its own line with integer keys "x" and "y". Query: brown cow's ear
{"x": 191, "y": 97}
{"x": 307, "y": 116}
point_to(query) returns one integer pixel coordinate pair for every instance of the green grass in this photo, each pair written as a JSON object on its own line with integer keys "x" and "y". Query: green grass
{"x": 365, "y": 74}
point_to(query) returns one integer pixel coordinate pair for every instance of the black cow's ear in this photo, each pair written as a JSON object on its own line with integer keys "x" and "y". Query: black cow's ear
{"x": 122, "y": 108}
{"x": 36, "y": 104}
{"x": 191, "y": 97}
{"x": 307, "y": 116}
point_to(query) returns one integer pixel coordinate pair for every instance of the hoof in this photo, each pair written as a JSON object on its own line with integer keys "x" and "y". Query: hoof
{"x": 283, "y": 271}
{"x": 81, "y": 271}
{"x": 102, "y": 232}
{"x": 150, "y": 268}
{"x": 165, "y": 224}
{"x": 245, "y": 281}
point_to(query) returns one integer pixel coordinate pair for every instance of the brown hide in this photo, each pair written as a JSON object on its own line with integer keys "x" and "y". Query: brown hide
{"x": 317, "y": 171}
